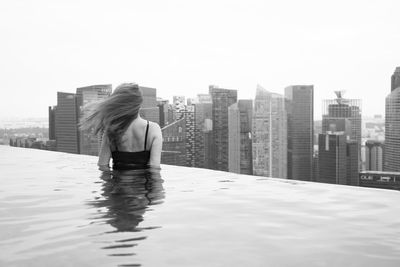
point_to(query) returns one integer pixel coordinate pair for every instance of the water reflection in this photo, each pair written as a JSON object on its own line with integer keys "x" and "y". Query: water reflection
{"x": 126, "y": 195}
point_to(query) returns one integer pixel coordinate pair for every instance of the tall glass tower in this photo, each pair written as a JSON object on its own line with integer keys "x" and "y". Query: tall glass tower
{"x": 221, "y": 100}
{"x": 269, "y": 135}
{"x": 392, "y": 126}
{"x": 300, "y": 120}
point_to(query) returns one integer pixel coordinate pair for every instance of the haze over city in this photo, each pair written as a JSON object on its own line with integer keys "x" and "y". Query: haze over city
{"x": 181, "y": 47}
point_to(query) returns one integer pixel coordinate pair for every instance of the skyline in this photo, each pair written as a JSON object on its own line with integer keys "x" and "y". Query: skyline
{"x": 181, "y": 48}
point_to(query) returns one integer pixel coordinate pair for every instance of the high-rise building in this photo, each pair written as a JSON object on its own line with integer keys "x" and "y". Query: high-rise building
{"x": 352, "y": 162}
{"x": 332, "y": 158}
{"x": 89, "y": 144}
{"x": 395, "y": 79}
{"x": 174, "y": 143}
{"x": 341, "y": 112}
{"x": 234, "y": 138}
{"x": 269, "y": 135}
{"x": 337, "y": 159}
{"x": 203, "y": 132}
{"x": 373, "y": 155}
{"x": 179, "y": 107}
{"x": 149, "y": 110}
{"x": 221, "y": 100}
{"x": 392, "y": 126}
{"x": 246, "y": 124}
{"x": 300, "y": 126}
{"x": 52, "y": 123}
{"x": 66, "y": 123}
{"x": 189, "y": 117}
{"x": 163, "y": 106}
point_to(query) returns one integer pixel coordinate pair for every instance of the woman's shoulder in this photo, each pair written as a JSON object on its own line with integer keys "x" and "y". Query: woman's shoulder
{"x": 154, "y": 128}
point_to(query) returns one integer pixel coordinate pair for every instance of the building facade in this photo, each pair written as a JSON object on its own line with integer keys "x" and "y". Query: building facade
{"x": 174, "y": 143}
{"x": 66, "y": 123}
{"x": 149, "y": 110}
{"x": 392, "y": 126}
{"x": 269, "y": 137}
{"x": 374, "y": 155}
{"x": 246, "y": 126}
{"x": 203, "y": 132}
{"x": 338, "y": 159}
{"x": 89, "y": 144}
{"x": 189, "y": 117}
{"x": 299, "y": 104}
{"x": 234, "y": 138}
{"x": 221, "y": 100}
{"x": 52, "y": 122}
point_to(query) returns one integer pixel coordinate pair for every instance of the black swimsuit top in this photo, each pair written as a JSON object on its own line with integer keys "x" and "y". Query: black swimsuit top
{"x": 123, "y": 160}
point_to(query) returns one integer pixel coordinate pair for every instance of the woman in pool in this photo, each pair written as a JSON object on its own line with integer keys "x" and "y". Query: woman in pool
{"x": 132, "y": 142}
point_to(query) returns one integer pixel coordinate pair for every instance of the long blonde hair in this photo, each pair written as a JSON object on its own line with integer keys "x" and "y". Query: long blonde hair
{"x": 114, "y": 114}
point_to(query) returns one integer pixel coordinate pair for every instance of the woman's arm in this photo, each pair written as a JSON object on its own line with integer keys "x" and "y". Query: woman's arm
{"x": 156, "y": 146}
{"x": 104, "y": 154}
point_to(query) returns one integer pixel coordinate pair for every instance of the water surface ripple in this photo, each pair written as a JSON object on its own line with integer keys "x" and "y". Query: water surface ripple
{"x": 57, "y": 209}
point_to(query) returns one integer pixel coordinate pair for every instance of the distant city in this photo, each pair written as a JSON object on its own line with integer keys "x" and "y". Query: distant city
{"x": 274, "y": 135}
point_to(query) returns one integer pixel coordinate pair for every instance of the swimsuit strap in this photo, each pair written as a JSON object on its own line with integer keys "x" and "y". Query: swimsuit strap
{"x": 145, "y": 137}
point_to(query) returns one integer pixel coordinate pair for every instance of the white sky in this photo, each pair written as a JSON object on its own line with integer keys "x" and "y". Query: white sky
{"x": 181, "y": 47}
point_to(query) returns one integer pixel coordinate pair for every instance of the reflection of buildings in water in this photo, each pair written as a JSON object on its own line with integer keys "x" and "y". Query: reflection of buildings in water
{"x": 127, "y": 196}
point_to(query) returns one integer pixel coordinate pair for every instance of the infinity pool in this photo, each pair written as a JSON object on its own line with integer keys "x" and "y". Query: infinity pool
{"x": 57, "y": 209}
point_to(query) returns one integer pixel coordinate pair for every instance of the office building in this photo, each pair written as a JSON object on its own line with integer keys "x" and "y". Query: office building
{"x": 149, "y": 110}
{"x": 392, "y": 126}
{"x": 299, "y": 104}
{"x": 332, "y": 158}
{"x": 221, "y": 100}
{"x": 395, "y": 82}
{"x": 246, "y": 125}
{"x": 203, "y": 132}
{"x": 269, "y": 135}
{"x": 89, "y": 144}
{"x": 52, "y": 123}
{"x": 374, "y": 155}
{"x": 66, "y": 123}
{"x": 179, "y": 107}
{"x": 340, "y": 113}
{"x": 174, "y": 143}
{"x": 234, "y": 138}
{"x": 337, "y": 159}
{"x": 189, "y": 117}
{"x": 163, "y": 106}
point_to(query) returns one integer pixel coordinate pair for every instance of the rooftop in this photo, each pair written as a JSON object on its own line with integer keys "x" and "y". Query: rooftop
{"x": 58, "y": 208}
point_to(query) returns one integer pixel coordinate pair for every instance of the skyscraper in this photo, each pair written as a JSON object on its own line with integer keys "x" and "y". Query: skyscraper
{"x": 392, "y": 126}
{"x": 373, "y": 155}
{"x": 221, "y": 100}
{"x": 269, "y": 135}
{"x": 342, "y": 112}
{"x": 52, "y": 123}
{"x": 246, "y": 124}
{"x": 395, "y": 79}
{"x": 190, "y": 135}
{"x": 332, "y": 158}
{"x": 300, "y": 120}
{"x": 66, "y": 123}
{"x": 203, "y": 132}
{"x": 149, "y": 110}
{"x": 163, "y": 106}
{"x": 89, "y": 144}
{"x": 234, "y": 138}
{"x": 174, "y": 143}
{"x": 178, "y": 106}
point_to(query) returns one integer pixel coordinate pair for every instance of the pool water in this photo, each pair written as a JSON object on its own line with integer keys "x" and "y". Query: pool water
{"x": 58, "y": 209}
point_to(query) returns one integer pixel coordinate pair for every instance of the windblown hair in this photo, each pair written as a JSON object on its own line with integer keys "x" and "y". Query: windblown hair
{"x": 114, "y": 114}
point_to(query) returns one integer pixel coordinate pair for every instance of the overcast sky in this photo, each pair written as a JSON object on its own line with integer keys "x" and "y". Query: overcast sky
{"x": 181, "y": 47}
